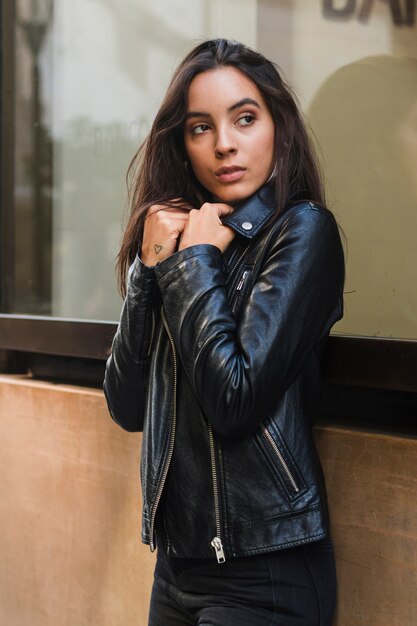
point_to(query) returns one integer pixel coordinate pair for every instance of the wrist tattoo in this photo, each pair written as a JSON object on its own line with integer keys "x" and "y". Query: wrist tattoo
{"x": 157, "y": 248}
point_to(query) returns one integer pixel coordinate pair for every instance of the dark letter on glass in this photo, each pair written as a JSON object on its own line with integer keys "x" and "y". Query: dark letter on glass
{"x": 410, "y": 16}
{"x": 396, "y": 12}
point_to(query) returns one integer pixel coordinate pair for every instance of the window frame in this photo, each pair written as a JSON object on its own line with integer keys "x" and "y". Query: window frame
{"x": 372, "y": 362}
{"x": 7, "y": 72}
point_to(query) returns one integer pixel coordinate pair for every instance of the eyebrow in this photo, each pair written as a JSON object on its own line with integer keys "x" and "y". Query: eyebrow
{"x": 232, "y": 108}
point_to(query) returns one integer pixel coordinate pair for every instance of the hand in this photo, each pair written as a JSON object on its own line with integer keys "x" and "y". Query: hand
{"x": 204, "y": 226}
{"x": 163, "y": 226}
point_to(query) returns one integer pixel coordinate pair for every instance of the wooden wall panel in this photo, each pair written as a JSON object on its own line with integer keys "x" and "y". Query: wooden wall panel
{"x": 372, "y": 484}
{"x": 70, "y": 550}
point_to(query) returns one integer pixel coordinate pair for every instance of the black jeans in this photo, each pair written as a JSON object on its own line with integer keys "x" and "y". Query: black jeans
{"x": 283, "y": 588}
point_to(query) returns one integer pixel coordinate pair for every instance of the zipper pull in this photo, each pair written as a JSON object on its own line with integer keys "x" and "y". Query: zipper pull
{"x": 217, "y": 545}
{"x": 242, "y": 280}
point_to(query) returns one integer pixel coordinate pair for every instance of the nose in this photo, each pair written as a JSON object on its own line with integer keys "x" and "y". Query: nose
{"x": 225, "y": 143}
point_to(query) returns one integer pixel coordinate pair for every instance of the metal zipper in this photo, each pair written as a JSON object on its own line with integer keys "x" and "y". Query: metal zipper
{"x": 171, "y": 438}
{"x": 216, "y": 542}
{"x": 242, "y": 280}
{"x": 281, "y": 459}
{"x": 230, "y": 274}
{"x": 239, "y": 288}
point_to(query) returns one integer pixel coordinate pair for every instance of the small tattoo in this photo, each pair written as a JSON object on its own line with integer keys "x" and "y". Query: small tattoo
{"x": 157, "y": 248}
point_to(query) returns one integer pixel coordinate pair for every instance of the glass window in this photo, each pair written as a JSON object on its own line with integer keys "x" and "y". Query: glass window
{"x": 89, "y": 77}
{"x": 354, "y": 67}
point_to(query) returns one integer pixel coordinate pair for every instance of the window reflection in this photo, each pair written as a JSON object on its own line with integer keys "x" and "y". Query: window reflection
{"x": 33, "y": 161}
{"x": 354, "y": 67}
{"x": 364, "y": 117}
{"x": 89, "y": 78}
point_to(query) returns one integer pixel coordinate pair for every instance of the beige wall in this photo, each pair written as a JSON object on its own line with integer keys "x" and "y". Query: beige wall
{"x": 70, "y": 551}
{"x": 371, "y": 480}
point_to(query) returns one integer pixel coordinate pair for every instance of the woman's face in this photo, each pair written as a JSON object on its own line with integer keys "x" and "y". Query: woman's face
{"x": 229, "y": 134}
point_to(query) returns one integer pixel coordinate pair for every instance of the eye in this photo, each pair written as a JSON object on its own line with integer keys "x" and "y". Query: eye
{"x": 246, "y": 120}
{"x": 198, "y": 129}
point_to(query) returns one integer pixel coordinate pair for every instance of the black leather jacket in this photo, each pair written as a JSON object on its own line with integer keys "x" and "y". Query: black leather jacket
{"x": 217, "y": 359}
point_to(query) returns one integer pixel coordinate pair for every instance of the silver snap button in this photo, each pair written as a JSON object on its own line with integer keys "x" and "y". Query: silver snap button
{"x": 247, "y": 225}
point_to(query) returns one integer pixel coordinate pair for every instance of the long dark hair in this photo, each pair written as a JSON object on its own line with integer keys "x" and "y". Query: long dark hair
{"x": 158, "y": 171}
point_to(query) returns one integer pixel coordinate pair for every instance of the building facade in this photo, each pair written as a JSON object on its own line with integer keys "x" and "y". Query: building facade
{"x": 80, "y": 84}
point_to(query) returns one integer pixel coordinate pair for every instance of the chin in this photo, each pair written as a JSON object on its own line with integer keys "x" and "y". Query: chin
{"x": 232, "y": 195}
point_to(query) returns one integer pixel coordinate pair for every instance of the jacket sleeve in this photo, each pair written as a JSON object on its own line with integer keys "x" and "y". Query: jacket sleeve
{"x": 127, "y": 367}
{"x": 239, "y": 369}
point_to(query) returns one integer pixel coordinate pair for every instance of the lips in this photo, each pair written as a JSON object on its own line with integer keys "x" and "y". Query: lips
{"x": 230, "y": 173}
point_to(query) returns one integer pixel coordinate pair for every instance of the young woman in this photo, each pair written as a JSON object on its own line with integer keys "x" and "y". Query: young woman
{"x": 235, "y": 279}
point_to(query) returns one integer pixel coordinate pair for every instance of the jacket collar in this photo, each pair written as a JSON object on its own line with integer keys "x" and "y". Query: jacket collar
{"x": 250, "y": 215}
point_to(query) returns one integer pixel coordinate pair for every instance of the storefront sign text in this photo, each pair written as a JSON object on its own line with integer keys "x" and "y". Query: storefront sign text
{"x": 403, "y": 12}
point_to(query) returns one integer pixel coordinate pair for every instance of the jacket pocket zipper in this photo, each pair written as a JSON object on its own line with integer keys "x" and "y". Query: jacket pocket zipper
{"x": 281, "y": 459}
{"x": 171, "y": 438}
{"x": 235, "y": 265}
{"x": 216, "y": 542}
{"x": 239, "y": 288}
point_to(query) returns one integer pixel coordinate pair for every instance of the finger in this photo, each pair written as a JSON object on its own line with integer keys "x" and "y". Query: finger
{"x": 223, "y": 209}
{"x": 155, "y": 208}
{"x": 182, "y": 207}
{"x": 180, "y": 204}
{"x": 171, "y": 214}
